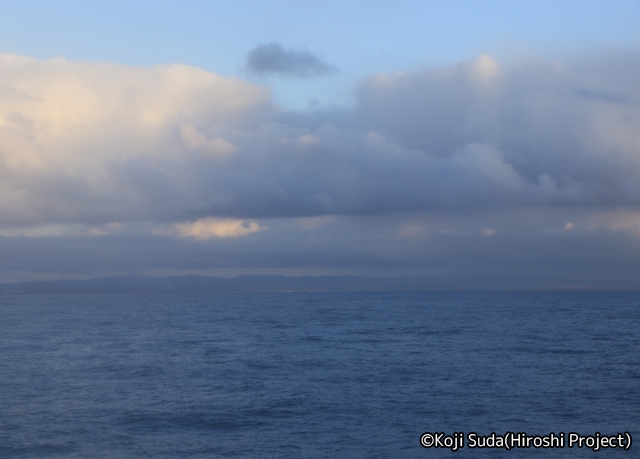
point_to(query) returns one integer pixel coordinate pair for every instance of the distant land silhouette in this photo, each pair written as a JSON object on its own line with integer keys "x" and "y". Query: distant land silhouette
{"x": 247, "y": 284}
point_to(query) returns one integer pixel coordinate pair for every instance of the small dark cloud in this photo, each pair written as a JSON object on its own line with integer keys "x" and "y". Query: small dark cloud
{"x": 274, "y": 58}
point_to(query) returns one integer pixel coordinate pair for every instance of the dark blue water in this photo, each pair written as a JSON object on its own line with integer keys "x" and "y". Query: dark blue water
{"x": 313, "y": 375}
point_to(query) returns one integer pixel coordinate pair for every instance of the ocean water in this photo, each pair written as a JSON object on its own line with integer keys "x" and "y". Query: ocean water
{"x": 315, "y": 375}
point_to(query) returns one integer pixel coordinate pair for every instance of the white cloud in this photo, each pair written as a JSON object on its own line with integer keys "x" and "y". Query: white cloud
{"x": 71, "y": 134}
{"x": 196, "y": 140}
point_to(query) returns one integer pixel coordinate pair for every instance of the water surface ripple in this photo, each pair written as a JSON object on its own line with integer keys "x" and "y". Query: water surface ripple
{"x": 315, "y": 375}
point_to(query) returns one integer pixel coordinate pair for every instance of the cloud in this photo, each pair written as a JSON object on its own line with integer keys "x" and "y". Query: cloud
{"x": 273, "y": 58}
{"x": 541, "y": 115}
{"x": 91, "y": 143}
{"x": 208, "y": 228}
{"x": 530, "y": 167}
{"x": 212, "y": 147}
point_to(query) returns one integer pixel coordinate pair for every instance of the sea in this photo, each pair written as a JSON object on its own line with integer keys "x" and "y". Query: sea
{"x": 319, "y": 375}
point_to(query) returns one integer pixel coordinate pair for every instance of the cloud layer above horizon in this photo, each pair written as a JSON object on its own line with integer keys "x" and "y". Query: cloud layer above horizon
{"x": 186, "y": 153}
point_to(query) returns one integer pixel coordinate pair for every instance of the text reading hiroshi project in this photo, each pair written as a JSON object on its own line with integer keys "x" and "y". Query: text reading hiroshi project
{"x": 513, "y": 440}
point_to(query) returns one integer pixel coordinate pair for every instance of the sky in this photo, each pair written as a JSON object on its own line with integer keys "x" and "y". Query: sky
{"x": 313, "y": 138}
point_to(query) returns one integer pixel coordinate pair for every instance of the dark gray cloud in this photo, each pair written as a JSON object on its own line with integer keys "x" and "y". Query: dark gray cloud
{"x": 273, "y": 58}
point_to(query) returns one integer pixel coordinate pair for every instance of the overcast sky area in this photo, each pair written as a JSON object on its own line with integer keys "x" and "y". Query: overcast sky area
{"x": 351, "y": 137}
